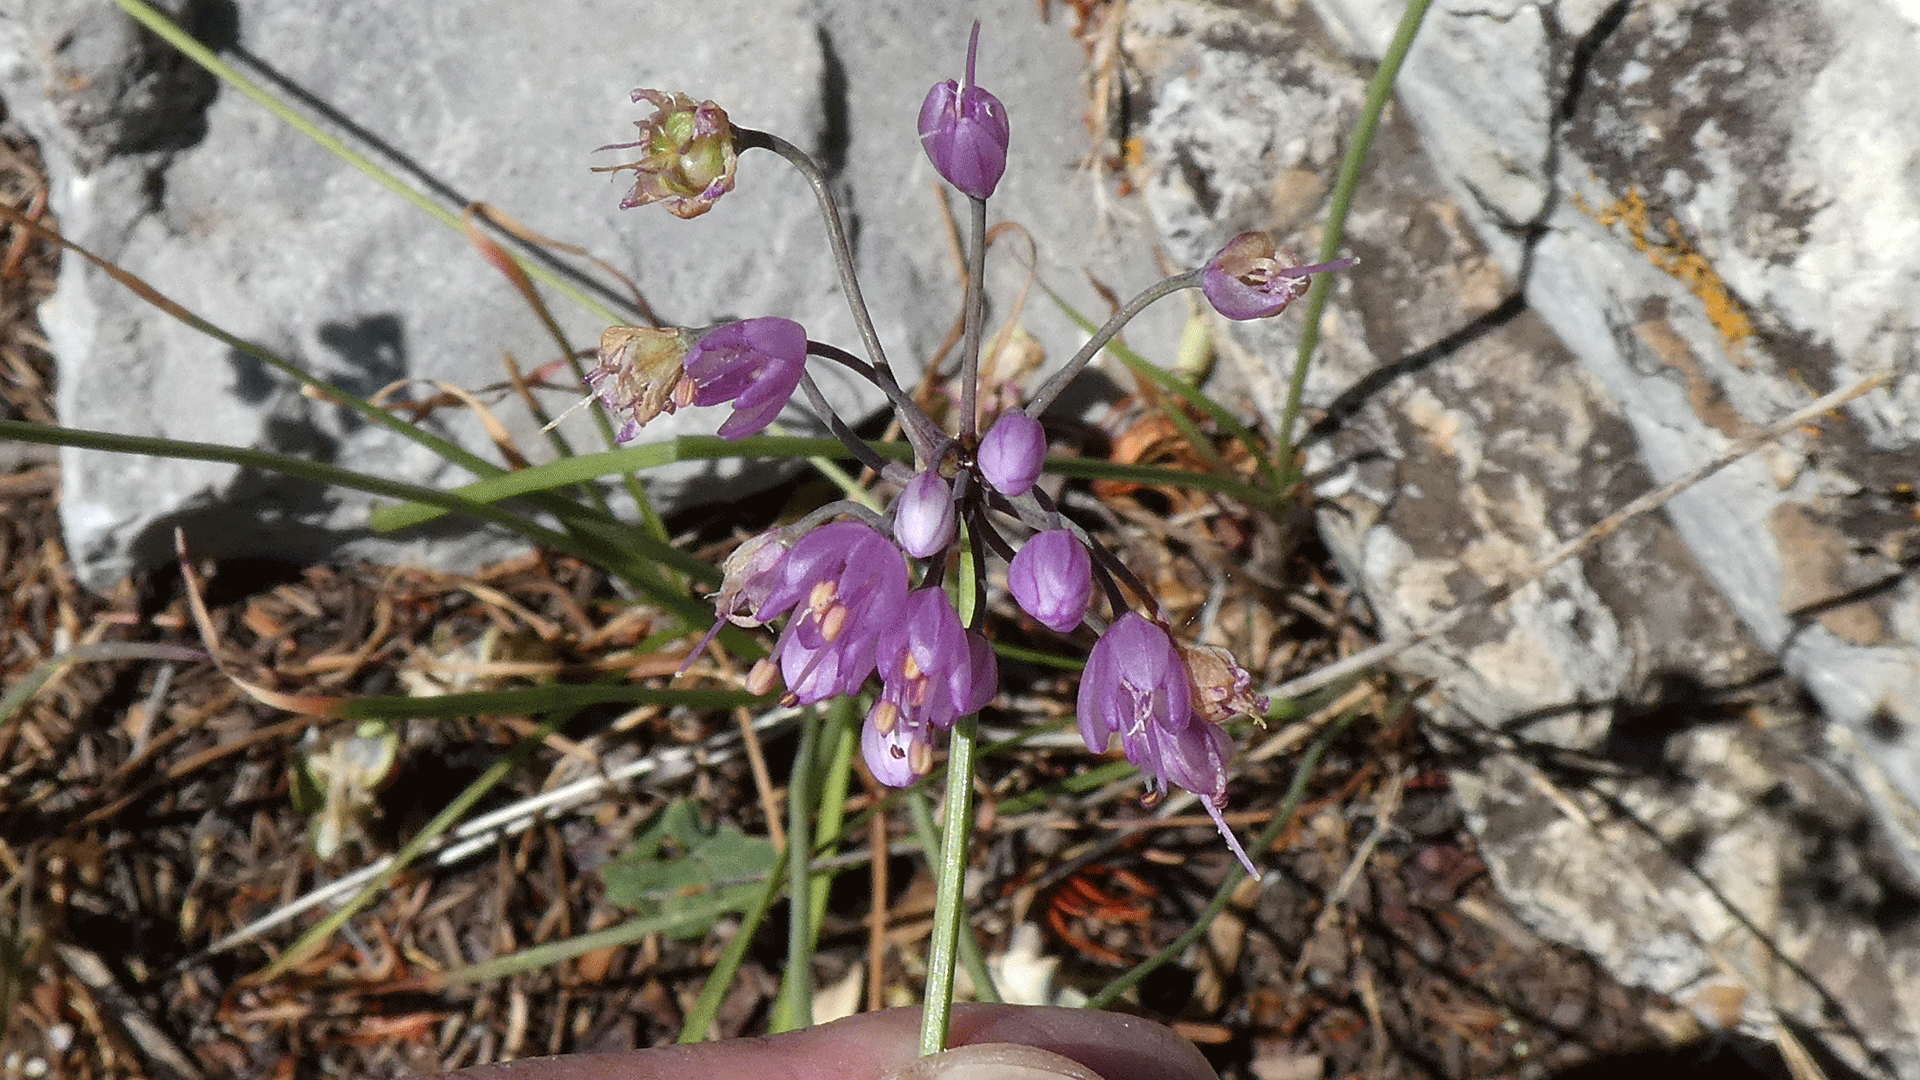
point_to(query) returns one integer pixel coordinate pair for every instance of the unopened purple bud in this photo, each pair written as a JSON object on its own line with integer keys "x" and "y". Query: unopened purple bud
{"x": 754, "y": 363}
{"x": 1051, "y": 577}
{"x": 1012, "y": 452}
{"x": 1244, "y": 281}
{"x": 923, "y": 517}
{"x": 965, "y": 131}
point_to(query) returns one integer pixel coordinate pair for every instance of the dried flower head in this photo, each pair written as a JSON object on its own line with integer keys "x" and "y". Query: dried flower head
{"x": 639, "y": 375}
{"x": 687, "y": 156}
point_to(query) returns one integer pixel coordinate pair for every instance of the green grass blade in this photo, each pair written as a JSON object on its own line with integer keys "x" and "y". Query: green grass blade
{"x": 574, "y": 470}
{"x": 609, "y": 544}
{"x": 1338, "y": 208}
{"x": 1158, "y": 475}
{"x": 793, "y": 1008}
{"x": 299, "y": 468}
{"x": 554, "y": 952}
{"x": 535, "y": 699}
{"x": 700, "y": 1018}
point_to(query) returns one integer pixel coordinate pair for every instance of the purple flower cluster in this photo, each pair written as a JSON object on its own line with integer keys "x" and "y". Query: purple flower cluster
{"x": 866, "y": 594}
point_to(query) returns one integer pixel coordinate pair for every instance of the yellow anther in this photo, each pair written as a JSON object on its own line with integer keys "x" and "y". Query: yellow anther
{"x": 833, "y": 620}
{"x": 885, "y": 717}
{"x": 760, "y": 678}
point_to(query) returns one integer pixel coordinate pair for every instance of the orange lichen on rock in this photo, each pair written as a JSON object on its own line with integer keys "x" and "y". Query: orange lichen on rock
{"x": 1668, "y": 249}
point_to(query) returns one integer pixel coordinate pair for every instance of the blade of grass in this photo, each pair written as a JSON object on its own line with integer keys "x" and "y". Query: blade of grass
{"x": 554, "y": 952}
{"x": 833, "y": 801}
{"x": 700, "y": 1018}
{"x": 1339, "y": 206}
{"x": 573, "y": 470}
{"x": 1152, "y": 475}
{"x": 614, "y": 546}
{"x": 1078, "y": 784}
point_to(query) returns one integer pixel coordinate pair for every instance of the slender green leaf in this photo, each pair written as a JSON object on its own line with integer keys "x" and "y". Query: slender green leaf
{"x": 522, "y": 701}
{"x": 1339, "y": 206}
{"x": 574, "y": 470}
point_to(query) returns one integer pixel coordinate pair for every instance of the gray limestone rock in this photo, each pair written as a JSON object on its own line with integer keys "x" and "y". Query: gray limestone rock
{"x": 246, "y": 222}
{"x": 1600, "y": 242}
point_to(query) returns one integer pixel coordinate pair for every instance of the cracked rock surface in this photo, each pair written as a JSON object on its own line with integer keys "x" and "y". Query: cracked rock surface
{"x": 229, "y": 211}
{"x": 1599, "y": 242}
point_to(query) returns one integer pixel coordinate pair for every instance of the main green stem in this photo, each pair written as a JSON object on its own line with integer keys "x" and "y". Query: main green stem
{"x": 950, "y": 897}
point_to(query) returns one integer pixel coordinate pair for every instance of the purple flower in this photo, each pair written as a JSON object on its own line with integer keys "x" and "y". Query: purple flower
{"x": 755, "y": 363}
{"x": 639, "y": 375}
{"x": 932, "y": 672}
{"x": 1051, "y": 577}
{"x": 1243, "y": 281}
{"x": 844, "y": 583}
{"x": 1011, "y": 453}
{"x": 965, "y": 131}
{"x": 687, "y": 156}
{"x": 1136, "y": 686}
{"x": 923, "y": 515}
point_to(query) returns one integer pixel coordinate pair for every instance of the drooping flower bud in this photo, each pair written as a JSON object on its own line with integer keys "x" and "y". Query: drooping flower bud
{"x": 1011, "y": 453}
{"x": 1136, "y": 686}
{"x": 923, "y": 515}
{"x": 965, "y": 131}
{"x": 754, "y": 363}
{"x": 639, "y": 374}
{"x": 1243, "y": 280}
{"x": 1051, "y": 577}
{"x": 687, "y": 155}
{"x": 932, "y": 672}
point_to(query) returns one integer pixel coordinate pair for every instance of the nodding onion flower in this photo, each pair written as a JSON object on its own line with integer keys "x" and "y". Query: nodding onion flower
{"x": 867, "y": 591}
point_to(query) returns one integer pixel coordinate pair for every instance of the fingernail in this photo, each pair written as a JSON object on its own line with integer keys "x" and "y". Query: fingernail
{"x": 995, "y": 1061}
